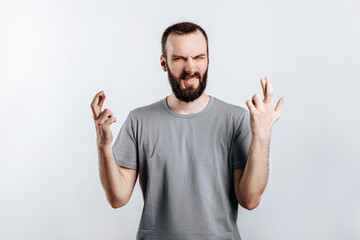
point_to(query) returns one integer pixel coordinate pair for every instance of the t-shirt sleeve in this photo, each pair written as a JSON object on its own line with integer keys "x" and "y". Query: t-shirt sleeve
{"x": 242, "y": 140}
{"x": 125, "y": 147}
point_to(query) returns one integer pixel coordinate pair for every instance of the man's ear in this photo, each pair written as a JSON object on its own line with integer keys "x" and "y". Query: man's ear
{"x": 163, "y": 63}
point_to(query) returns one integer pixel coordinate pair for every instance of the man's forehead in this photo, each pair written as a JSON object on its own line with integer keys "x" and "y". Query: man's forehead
{"x": 194, "y": 44}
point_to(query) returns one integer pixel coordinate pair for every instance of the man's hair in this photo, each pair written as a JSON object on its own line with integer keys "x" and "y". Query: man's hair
{"x": 182, "y": 28}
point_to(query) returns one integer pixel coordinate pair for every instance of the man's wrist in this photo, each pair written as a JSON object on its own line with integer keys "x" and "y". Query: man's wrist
{"x": 262, "y": 137}
{"x": 104, "y": 148}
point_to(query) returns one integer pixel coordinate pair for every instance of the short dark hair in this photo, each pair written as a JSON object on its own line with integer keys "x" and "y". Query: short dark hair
{"x": 182, "y": 28}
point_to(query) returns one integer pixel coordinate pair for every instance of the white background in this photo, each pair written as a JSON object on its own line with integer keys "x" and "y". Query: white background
{"x": 56, "y": 55}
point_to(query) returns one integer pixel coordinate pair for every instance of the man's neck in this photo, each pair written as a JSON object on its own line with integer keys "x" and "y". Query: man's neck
{"x": 188, "y": 108}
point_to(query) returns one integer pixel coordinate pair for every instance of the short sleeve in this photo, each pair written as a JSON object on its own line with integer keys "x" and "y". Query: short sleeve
{"x": 242, "y": 140}
{"x": 125, "y": 147}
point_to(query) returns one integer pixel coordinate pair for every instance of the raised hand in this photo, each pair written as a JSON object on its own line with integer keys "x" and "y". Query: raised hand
{"x": 262, "y": 113}
{"x": 103, "y": 120}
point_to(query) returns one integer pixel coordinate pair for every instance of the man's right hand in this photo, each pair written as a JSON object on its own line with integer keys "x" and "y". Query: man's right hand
{"x": 103, "y": 120}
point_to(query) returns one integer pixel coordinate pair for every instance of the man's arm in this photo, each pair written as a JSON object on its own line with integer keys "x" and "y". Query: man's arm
{"x": 118, "y": 181}
{"x": 250, "y": 182}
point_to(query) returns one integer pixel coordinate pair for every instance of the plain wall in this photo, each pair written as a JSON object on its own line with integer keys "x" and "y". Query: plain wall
{"x": 56, "y": 55}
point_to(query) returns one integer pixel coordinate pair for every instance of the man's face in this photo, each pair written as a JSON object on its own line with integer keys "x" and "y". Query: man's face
{"x": 187, "y": 65}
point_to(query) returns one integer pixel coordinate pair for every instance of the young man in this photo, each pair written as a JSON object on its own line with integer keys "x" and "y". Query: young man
{"x": 197, "y": 156}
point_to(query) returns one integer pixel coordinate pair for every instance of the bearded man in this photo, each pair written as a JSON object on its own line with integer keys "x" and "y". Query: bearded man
{"x": 197, "y": 156}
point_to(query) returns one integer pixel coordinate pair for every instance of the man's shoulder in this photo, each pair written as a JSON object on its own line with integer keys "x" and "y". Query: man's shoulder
{"x": 146, "y": 110}
{"x": 234, "y": 113}
{"x": 230, "y": 107}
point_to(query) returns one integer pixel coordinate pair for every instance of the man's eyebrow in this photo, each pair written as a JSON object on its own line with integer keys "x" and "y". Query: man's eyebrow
{"x": 200, "y": 55}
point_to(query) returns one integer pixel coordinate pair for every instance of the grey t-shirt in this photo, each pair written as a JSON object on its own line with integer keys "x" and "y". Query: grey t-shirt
{"x": 185, "y": 165}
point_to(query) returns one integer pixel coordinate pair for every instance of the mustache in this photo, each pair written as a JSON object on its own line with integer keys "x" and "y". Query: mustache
{"x": 187, "y": 75}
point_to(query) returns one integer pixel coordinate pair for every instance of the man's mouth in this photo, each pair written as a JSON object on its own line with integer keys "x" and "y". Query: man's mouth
{"x": 190, "y": 80}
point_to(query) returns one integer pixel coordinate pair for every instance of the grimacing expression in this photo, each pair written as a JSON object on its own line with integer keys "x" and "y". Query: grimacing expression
{"x": 191, "y": 93}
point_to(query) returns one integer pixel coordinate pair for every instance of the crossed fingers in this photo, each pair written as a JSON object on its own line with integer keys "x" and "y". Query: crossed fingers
{"x": 257, "y": 103}
{"x": 267, "y": 89}
{"x": 97, "y": 104}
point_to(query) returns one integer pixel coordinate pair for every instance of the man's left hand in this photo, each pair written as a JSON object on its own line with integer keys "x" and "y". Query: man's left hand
{"x": 262, "y": 113}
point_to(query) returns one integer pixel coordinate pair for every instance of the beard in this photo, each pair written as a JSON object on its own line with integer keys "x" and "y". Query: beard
{"x": 190, "y": 93}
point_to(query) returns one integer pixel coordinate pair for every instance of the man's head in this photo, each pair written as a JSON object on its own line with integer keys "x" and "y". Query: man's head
{"x": 185, "y": 55}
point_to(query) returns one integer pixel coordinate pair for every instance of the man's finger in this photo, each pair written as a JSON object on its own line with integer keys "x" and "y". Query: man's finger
{"x": 94, "y": 105}
{"x": 104, "y": 116}
{"x": 279, "y": 105}
{"x": 250, "y": 106}
{"x": 263, "y": 85}
{"x": 109, "y": 121}
{"x": 256, "y": 100}
{"x": 101, "y": 100}
{"x": 268, "y": 90}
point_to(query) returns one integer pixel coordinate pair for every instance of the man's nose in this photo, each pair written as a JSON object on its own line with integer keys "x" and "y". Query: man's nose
{"x": 190, "y": 66}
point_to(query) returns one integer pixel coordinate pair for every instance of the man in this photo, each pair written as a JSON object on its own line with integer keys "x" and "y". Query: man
{"x": 197, "y": 156}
